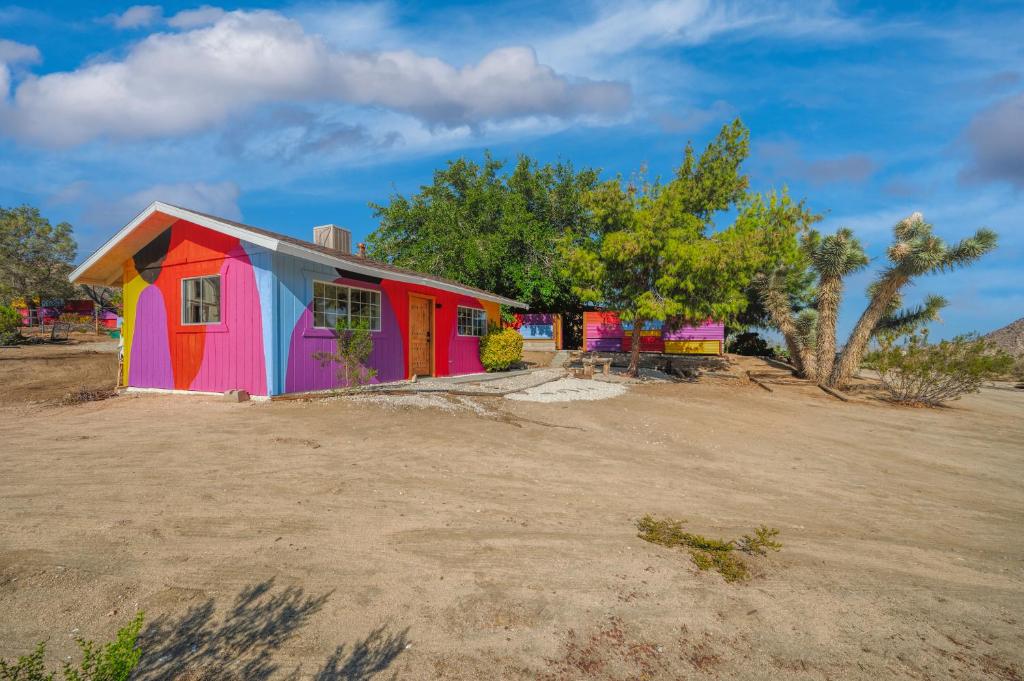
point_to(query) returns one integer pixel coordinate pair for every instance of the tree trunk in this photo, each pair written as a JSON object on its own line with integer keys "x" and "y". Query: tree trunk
{"x": 776, "y": 304}
{"x": 800, "y": 356}
{"x": 830, "y": 292}
{"x": 859, "y": 338}
{"x": 634, "y": 355}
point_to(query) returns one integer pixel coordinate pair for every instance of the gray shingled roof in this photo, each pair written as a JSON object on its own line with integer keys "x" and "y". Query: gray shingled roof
{"x": 341, "y": 255}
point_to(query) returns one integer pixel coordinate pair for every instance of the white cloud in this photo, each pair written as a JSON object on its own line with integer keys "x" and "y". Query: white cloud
{"x": 177, "y": 83}
{"x": 996, "y": 138}
{"x": 13, "y": 54}
{"x": 17, "y": 53}
{"x": 785, "y": 161}
{"x": 137, "y": 16}
{"x": 193, "y": 18}
{"x": 693, "y": 119}
{"x": 632, "y": 25}
{"x": 219, "y": 199}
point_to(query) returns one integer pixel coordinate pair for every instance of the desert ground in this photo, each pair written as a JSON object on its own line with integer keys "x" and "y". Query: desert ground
{"x": 496, "y": 539}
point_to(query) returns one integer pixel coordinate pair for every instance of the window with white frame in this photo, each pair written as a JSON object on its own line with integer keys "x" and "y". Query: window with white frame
{"x": 200, "y": 300}
{"x": 332, "y": 302}
{"x": 472, "y": 321}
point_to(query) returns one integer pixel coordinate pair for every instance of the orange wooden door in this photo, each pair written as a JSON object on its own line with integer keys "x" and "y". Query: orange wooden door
{"x": 421, "y": 342}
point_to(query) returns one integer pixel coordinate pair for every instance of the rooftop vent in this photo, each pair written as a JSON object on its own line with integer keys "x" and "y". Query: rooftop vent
{"x": 333, "y": 237}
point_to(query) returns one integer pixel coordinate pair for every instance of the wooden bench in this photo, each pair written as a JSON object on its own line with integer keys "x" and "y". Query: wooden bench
{"x": 605, "y": 364}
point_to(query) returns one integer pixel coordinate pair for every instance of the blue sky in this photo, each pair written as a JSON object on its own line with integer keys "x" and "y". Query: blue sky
{"x": 291, "y": 115}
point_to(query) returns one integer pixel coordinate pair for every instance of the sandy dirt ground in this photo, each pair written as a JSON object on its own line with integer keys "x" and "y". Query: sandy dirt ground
{"x": 41, "y": 373}
{"x": 349, "y": 539}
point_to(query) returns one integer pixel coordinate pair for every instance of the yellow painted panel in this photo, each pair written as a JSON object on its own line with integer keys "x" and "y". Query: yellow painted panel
{"x": 493, "y": 311}
{"x": 133, "y": 285}
{"x": 704, "y": 347}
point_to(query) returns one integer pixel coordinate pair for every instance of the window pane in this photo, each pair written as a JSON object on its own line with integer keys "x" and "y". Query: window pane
{"x": 471, "y": 321}
{"x": 366, "y": 308}
{"x": 200, "y": 300}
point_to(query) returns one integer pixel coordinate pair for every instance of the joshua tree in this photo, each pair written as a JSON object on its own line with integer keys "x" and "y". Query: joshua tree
{"x": 832, "y": 258}
{"x": 796, "y": 329}
{"x": 915, "y": 251}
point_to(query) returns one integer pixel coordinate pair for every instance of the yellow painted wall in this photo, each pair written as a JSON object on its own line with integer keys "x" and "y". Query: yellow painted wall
{"x": 133, "y": 286}
{"x": 704, "y": 347}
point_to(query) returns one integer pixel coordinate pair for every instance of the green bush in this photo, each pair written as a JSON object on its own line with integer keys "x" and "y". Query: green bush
{"x": 500, "y": 349}
{"x": 750, "y": 343}
{"x": 917, "y": 372}
{"x": 114, "y": 662}
{"x": 10, "y": 323}
{"x": 708, "y": 553}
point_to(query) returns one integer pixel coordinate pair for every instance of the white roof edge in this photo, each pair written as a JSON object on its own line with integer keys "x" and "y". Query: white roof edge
{"x": 159, "y": 206}
{"x": 283, "y": 247}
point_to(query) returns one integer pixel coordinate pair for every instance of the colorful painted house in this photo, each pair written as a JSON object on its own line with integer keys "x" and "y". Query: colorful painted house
{"x": 540, "y": 331}
{"x": 605, "y": 332}
{"x": 213, "y": 305}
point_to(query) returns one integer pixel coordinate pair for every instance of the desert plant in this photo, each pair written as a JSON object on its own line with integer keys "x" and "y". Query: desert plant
{"x": 832, "y": 258}
{"x": 10, "y": 321}
{"x": 352, "y": 350}
{"x": 915, "y": 251}
{"x": 113, "y": 662}
{"x": 921, "y": 373}
{"x": 1017, "y": 371}
{"x": 810, "y": 329}
{"x": 760, "y": 543}
{"x": 500, "y": 349}
{"x": 776, "y": 302}
{"x": 708, "y": 553}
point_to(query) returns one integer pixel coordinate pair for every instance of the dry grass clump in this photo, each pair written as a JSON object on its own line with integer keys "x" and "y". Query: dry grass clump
{"x": 83, "y": 395}
{"x": 707, "y": 553}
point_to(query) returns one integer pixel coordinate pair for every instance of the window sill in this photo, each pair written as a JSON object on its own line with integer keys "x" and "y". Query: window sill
{"x": 331, "y": 333}
{"x": 203, "y": 328}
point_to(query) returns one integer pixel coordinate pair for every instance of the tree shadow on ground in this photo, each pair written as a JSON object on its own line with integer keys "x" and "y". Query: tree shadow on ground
{"x": 241, "y": 643}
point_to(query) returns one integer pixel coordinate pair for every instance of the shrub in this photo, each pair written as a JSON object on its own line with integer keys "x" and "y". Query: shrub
{"x": 917, "y": 372}
{"x": 750, "y": 344}
{"x": 351, "y": 353}
{"x": 707, "y": 553}
{"x": 114, "y": 662}
{"x": 500, "y": 349}
{"x": 10, "y": 322}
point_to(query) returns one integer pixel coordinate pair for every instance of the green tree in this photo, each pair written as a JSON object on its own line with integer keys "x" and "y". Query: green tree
{"x": 650, "y": 249}
{"x": 915, "y": 251}
{"x": 105, "y": 297}
{"x": 487, "y": 228}
{"x": 35, "y": 257}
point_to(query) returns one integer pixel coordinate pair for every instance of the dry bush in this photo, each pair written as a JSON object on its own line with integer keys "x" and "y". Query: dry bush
{"x": 917, "y": 372}
{"x": 83, "y": 395}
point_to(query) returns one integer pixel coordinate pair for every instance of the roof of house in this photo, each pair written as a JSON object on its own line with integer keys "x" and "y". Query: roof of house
{"x": 103, "y": 267}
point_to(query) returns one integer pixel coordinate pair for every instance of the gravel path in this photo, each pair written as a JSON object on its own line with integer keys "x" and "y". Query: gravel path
{"x": 570, "y": 390}
{"x": 530, "y": 380}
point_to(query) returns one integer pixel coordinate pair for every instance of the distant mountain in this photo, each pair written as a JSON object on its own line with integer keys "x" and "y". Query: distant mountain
{"x": 1010, "y": 338}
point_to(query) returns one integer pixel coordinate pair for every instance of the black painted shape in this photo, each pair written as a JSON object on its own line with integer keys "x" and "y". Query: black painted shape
{"x": 150, "y": 258}
{"x": 358, "y": 277}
